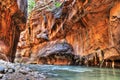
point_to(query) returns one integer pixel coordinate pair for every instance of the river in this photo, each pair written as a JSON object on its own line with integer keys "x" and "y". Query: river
{"x": 77, "y": 72}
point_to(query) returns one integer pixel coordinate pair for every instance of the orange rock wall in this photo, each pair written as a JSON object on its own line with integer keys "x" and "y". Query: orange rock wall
{"x": 86, "y": 25}
{"x": 12, "y": 22}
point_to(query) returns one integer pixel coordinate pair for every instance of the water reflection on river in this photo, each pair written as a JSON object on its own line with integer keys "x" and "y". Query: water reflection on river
{"x": 77, "y": 72}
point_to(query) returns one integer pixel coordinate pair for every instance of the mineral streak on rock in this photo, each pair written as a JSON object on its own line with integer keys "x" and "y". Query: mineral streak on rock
{"x": 83, "y": 24}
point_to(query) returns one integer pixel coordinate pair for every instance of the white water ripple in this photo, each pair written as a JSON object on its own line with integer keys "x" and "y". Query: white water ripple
{"x": 71, "y": 69}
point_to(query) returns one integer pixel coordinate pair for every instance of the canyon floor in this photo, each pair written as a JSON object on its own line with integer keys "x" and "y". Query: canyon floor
{"x": 17, "y": 71}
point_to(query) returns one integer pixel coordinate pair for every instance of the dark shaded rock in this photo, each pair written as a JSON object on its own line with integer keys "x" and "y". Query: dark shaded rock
{"x": 50, "y": 49}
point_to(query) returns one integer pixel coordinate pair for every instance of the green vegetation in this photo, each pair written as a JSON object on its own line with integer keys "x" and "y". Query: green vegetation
{"x": 57, "y": 4}
{"x": 31, "y": 4}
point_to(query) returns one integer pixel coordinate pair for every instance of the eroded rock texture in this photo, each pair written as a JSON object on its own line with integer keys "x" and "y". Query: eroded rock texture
{"x": 91, "y": 27}
{"x": 12, "y": 22}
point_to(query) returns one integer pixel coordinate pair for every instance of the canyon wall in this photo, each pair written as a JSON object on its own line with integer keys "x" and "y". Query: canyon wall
{"x": 13, "y": 16}
{"x": 90, "y": 30}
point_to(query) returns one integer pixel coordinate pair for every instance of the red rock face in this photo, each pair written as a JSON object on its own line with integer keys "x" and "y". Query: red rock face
{"x": 12, "y": 22}
{"x": 86, "y": 25}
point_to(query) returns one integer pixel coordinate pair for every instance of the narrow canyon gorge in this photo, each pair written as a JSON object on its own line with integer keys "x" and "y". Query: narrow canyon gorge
{"x": 61, "y": 32}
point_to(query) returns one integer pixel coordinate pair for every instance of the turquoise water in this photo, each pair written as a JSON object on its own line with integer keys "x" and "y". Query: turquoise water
{"x": 77, "y": 72}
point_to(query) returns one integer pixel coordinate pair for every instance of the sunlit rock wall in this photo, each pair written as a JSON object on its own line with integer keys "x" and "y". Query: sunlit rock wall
{"x": 90, "y": 26}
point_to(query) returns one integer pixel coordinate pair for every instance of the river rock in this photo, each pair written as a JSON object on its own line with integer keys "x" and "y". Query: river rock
{"x": 23, "y": 71}
{"x": 1, "y": 75}
{"x": 18, "y": 72}
{"x": 11, "y": 70}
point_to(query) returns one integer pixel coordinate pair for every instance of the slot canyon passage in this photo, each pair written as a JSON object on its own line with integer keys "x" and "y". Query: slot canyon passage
{"x": 57, "y": 37}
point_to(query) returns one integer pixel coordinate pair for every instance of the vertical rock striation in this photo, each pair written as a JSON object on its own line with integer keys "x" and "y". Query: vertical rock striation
{"x": 87, "y": 25}
{"x": 12, "y": 22}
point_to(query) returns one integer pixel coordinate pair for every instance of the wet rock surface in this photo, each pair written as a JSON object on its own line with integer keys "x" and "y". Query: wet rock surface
{"x": 15, "y": 71}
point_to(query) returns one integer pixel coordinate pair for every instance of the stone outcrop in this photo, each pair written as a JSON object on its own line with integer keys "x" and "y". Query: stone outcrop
{"x": 90, "y": 27}
{"x": 55, "y": 53}
{"x": 12, "y": 22}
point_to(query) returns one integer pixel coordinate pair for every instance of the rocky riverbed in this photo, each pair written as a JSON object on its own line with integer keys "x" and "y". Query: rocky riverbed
{"x": 17, "y": 71}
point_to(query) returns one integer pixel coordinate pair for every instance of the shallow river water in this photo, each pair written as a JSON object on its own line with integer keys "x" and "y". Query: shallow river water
{"x": 77, "y": 72}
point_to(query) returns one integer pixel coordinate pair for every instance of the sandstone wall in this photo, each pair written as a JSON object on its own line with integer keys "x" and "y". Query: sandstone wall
{"x": 12, "y": 22}
{"x": 90, "y": 26}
